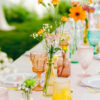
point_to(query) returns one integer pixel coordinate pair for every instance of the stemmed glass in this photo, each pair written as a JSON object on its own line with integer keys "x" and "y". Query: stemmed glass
{"x": 39, "y": 60}
{"x": 93, "y": 38}
{"x": 85, "y": 56}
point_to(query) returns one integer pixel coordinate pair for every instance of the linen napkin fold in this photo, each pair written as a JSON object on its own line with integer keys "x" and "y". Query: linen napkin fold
{"x": 84, "y": 85}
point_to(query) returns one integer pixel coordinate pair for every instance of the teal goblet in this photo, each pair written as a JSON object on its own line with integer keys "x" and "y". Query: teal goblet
{"x": 93, "y": 38}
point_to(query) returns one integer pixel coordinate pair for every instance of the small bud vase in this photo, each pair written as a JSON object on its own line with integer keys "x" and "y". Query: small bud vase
{"x": 63, "y": 66}
{"x": 49, "y": 80}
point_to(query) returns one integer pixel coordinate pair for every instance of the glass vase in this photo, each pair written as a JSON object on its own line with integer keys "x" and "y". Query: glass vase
{"x": 49, "y": 79}
{"x": 27, "y": 96}
{"x": 63, "y": 66}
{"x": 85, "y": 40}
{"x": 76, "y": 40}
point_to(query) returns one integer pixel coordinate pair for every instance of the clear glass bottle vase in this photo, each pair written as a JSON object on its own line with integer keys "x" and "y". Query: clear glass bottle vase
{"x": 49, "y": 80}
{"x": 76, "y": 40}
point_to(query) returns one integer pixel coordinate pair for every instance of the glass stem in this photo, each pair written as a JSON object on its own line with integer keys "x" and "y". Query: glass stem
{"x": 84, "y": 72}
{"x": 38, "y": 77}
{"x": 94, "y": 50}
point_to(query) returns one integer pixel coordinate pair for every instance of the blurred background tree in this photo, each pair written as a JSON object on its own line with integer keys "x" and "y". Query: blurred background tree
{"x": 27, "y": 18}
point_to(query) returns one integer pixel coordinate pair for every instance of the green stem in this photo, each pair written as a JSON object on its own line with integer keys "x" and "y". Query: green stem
{"x": 49, "y": 69}
{"x": 55, "y": 19}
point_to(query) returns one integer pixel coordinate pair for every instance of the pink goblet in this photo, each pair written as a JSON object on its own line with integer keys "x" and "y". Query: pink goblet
{"x": 3, "y": 93}
{"x": 39, "y": 60}
{"x": 85, "y": 56}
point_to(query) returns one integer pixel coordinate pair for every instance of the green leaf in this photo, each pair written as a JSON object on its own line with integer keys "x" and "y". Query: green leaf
{"x": 49, "y": 4}
{"x": 43, "y": 4}
{"x": 30, "y": 82}
{"x": 57, "y": 49}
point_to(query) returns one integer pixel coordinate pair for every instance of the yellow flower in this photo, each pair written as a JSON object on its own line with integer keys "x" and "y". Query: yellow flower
{"x": 65, "y": 37}
{"x": 64, "y": 19}
{"x": 40, "y": 1}
{"x": 65, "y": 48}
{"x": 40, "y": 31}
{"x": 55, "y": 2}
{"x": 91, "y": 1}
{"x": 77, "y": 13}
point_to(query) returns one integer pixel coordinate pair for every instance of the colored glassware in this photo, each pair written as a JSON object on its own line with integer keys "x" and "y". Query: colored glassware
{"x": 93, "y": 37}
{"x": 85, "y": 56}
{"x": 63, "y": 66}
{"x": 38, "y": 60}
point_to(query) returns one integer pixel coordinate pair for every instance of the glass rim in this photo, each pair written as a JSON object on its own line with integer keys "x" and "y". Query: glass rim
{"x": 62, "y": 80}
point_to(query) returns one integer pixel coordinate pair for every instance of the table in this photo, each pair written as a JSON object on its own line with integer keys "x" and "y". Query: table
{"x": 23, "y": 64}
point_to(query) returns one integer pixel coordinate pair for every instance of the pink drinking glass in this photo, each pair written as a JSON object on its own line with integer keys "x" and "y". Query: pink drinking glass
{"x": 3, "y": 93}
{"x": 85, "y": 56}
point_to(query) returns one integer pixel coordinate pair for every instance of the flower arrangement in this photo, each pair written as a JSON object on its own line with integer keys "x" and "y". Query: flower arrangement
{"x": 51, "y": 48}
{"x": 63, "y": 65}
{"x": 26, "y": 88}
{"x": 78, "y": 14}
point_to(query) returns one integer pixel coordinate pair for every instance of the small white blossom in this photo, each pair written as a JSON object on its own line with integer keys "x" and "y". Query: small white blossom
{"x": 23, "y": 87}
{"x": 26, "y": 89}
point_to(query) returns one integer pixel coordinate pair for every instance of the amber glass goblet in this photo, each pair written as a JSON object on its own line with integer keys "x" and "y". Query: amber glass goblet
{"x": 39, "y": 60}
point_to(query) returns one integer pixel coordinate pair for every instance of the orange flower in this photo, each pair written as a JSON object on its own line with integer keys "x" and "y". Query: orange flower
{"x": 64, "y": 19}
{"x": 91, "y": 1}
{"x": 40, "y": 1}
{"x": 40, "y": 31}
{"x": 77, "y": 13}
{"x": 55, "y": 2}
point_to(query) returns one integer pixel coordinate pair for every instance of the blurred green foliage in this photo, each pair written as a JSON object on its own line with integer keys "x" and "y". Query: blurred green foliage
{"x": 17, "y": 41}
{"x": 18, "y": 13}
{"x": 63, "y": 8}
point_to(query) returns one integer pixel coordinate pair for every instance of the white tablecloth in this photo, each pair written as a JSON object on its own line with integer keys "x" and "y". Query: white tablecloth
{"x": 23, "y": 64}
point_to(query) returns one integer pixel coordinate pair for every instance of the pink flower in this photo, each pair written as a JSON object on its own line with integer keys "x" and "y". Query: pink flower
{"x": 89, "y": 9}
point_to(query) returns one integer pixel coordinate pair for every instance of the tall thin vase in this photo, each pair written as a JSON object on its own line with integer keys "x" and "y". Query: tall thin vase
{"x": 49, "y": 80}
{"x": 73, "y": 46}
{"x": 85, "y": 40}
{"x": 76, "y": 40}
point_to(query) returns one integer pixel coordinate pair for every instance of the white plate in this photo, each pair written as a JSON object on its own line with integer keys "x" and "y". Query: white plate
{"x": 14, "y": 79}
{"x": 93, "y": 81}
